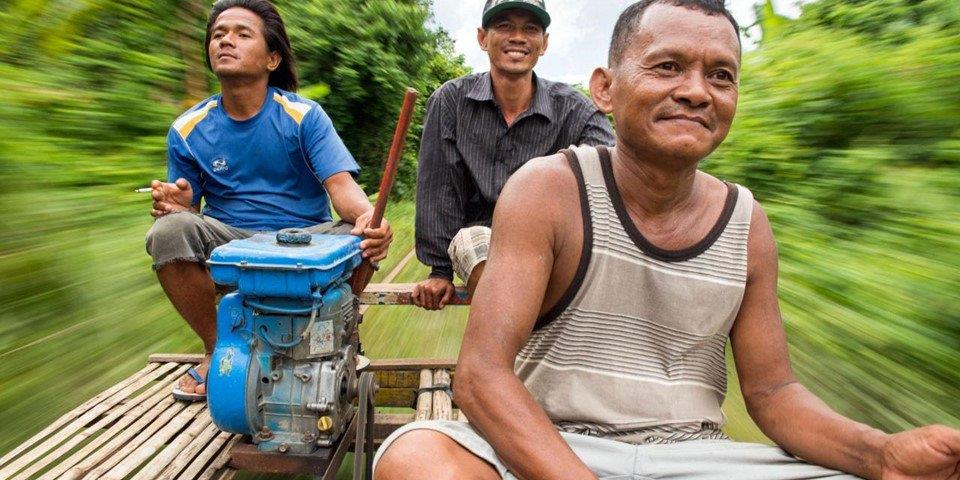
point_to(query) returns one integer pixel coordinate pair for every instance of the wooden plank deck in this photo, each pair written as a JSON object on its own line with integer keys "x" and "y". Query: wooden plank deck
{"x": 135, "y": 429}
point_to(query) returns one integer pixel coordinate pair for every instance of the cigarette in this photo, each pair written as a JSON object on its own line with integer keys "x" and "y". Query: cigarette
{"x": 143, "y": 190}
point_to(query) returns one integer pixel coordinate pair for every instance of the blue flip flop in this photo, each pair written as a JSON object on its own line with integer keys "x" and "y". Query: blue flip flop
{"x": 191, "y": 397}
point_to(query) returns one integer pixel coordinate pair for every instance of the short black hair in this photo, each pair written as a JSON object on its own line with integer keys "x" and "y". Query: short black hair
{"x": 275, "y": 33}
{"x": 629, "y": 22}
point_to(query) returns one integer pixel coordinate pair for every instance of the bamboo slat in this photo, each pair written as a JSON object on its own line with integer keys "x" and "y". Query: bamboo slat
{"x": 205, "y": 455}
{"x": 176, "y": 358}
{"x": 112, "y": 439}
{"x": 425, "y": 399}
{"x": 77, "y": 425}
{"x": 187, "y": 455}
{"x": 165, "y": 459}
{"x": 227, "y": 474}
{"x": 220, "y": 461}
{"x": 73, "y": 414}
{"x": 155, "y": 443}
{"x": 111, "y": 416}
{"x": 135, "y": 429}
{"x": 131, "y": 446}
{"x": 442, "y": 403}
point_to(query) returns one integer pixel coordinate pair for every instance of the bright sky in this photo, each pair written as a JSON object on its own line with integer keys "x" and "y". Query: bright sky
{"x": 580, "y": 32}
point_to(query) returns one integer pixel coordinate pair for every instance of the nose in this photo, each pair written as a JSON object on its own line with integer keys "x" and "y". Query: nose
{"x": 227, "y": 40}
{"x": 517, "y": 36}
{"x": 693, "y": 91}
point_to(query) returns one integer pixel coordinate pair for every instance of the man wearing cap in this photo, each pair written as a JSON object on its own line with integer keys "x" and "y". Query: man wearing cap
{"x": 481, "y": 128}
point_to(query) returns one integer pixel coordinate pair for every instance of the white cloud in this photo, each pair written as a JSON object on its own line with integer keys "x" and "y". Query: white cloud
{"x": 579, "y": 33}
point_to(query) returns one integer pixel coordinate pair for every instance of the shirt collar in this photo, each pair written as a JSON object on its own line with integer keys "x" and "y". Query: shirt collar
{"x": 482, "y": 91}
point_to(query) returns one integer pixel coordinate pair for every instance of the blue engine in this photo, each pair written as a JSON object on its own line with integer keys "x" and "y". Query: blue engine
{"x": 284, "y": 365}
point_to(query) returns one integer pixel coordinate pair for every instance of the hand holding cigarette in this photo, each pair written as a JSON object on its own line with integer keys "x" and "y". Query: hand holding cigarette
{"x": 170, "y": 197}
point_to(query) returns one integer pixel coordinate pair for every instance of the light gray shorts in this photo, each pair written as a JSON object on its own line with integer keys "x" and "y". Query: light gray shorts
{"x": 610, "y": 459}
{"x": 468, "y": 248}
{"x": 191, "y": 237}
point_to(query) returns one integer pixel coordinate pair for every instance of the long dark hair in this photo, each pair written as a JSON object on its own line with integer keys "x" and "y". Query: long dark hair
{"x": 285, "y": 76}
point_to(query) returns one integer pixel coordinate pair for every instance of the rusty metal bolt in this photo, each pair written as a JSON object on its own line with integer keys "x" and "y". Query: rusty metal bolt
{"x": 264, "y": 433}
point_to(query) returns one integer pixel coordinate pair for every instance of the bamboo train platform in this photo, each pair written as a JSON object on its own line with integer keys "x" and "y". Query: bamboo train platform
{"x": 135, "y": 429}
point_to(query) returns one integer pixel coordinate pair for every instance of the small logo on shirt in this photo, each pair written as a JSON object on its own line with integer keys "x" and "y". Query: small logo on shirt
{"x": 220, "y": 165}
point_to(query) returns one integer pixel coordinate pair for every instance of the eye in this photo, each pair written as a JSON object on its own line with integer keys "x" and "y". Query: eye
{"x": 724, "y": 75}
{"x": 217, "y": 35}
{"x": 668, "y": 67}
{"x": 532, "y": 29}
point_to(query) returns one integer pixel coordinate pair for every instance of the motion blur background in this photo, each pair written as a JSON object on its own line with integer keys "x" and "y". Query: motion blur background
{"x": 848, "y": 132}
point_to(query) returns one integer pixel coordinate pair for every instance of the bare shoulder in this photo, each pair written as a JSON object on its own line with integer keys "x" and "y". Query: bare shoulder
{"x": 762, "y": 256}
{"x": 539, "y": 197}
{"x": 550, "y": 177}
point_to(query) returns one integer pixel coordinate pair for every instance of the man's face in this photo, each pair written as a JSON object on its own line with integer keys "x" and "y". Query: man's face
{"x": 514, "y": 40}
{"x": 238, "y": 46}
{"x": 674, "y": 93}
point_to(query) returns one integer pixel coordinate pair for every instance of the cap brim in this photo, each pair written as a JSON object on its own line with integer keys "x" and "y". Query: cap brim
{"x": 538, "y": 12}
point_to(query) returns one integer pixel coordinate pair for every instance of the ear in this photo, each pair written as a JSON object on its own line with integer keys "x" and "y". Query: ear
{"x": 601, "y": 83}
{"x": 546, "y": 42}
{"x": 482, "y": 38}
{"x": 274, "y": 62}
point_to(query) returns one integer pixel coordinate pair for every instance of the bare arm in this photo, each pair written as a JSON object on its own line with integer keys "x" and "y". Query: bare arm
{"x": 505, "y": 307}
{"x": 796, "y": 419}
{"x": 347, "y": 197}
{"x": 353, "y": 206}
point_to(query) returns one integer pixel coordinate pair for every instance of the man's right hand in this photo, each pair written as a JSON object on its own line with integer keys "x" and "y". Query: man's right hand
{"x": 171, "y": 197}
{"x": 433, "y": 293}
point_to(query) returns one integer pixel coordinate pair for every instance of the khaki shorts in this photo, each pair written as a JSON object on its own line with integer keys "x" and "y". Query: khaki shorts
{"x": 468, "y": 248}
{"x": 190, "y": 237}
{"x": 610, "y": 459}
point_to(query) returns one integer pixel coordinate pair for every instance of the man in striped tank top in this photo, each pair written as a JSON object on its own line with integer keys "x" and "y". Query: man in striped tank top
{"x": 595, "y": 346}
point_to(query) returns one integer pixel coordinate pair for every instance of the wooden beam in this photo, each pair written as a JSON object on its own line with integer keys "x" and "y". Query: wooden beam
{"x": 414, "y": 364}
{"x": 402, "y": 294}
{"x": 175, "y": 358}
{"x": 387, "y": 423}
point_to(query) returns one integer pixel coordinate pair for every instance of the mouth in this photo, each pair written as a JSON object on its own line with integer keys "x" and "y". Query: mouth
{"x": 221, "y": 56}
{"x": 688, "y": 118}
{"x": 516, "y": 53}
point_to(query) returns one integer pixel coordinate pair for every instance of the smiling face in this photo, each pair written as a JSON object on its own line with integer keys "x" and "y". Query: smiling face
{"x": 238, "y": 47}
{"x": 514, "y": 41}
{"x": 674, "y": 92}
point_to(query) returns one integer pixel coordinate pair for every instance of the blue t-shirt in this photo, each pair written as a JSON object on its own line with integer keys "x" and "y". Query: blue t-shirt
{"x": 264, "y": 173}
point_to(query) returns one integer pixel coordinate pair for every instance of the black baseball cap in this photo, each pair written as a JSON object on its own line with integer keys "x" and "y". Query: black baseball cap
{"x": 536, "y": 7}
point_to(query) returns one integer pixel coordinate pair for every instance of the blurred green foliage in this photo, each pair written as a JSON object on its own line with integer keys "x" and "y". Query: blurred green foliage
{"x": 848, "y": 133}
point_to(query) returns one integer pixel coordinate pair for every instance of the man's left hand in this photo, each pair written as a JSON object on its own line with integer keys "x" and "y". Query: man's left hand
{"x": 931, "y": 452}
{"x": 375, "y": 240}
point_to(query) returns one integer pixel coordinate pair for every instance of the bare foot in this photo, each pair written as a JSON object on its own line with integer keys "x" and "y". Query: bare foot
{"x": 189, "y": 385}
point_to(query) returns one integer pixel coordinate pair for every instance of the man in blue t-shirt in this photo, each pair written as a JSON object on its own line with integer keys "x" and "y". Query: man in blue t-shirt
{"x": 261, "y": 159}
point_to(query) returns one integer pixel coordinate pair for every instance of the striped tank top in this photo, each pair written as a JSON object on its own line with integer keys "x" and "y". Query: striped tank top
{"x": 634, "y": 349}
